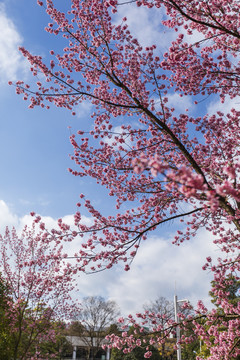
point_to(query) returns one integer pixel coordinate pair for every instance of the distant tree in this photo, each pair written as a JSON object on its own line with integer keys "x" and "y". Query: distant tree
{"x": 163, "y": 307}
{"x": 113, "y": 329}
{"x": 160, "y": 312}
{"x": 163, "y": 311}
{"x": 93, "y": 322}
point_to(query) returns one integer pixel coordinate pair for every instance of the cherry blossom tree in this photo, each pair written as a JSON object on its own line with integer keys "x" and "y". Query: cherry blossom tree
{"x": 168, "y": 165}
{"x": 39, "y": 282}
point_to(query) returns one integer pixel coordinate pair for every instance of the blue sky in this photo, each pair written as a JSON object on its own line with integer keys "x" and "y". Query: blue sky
{"x": 34, "y": 143}
{"x": 34, "y": 158}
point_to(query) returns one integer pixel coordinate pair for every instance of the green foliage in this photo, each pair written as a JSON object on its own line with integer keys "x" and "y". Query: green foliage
{"x": 189, "y": 351}
{"x": 5, "y": 338}
{"x": 167, "y": 350}
{"x": 204, "y": 351}
{"x": 76, "y": 328}
{"x": 113, "y": 329}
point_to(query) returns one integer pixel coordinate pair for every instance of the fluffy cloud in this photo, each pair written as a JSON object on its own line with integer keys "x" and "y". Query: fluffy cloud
{"x": 84, "y": 109}
{"x": 145, "y": 25}
{"x": 180, "y": 104}
{"x": 157, "y": 270}
{"x": 225, "y": 107}
{"x": 7, "y": 218}
{"x": 11, "y": 62}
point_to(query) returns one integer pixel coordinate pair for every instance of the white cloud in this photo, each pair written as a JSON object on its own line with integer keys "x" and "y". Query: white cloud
{"x": 225, "y": 107}
{"x": 7, "y": 218}
{"x": 194, "y": 38}
{"x": 180, "y": 104}
{"x": 84, "y": 109}
{"x": 12, "y": 62}
{"x": 116, "y": 131}
{"x": 157, "y": 269}
{"x": 52, "y": 223}
{"x": 145, "y": 25}
{"x": 158, "y": 266}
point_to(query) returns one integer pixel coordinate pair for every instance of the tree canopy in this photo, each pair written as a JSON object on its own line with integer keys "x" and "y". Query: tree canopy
{"x": 35, "y": 294}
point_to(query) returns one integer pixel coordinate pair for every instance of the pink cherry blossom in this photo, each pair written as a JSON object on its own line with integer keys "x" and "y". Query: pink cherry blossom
{"x": 160, "y": 160}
